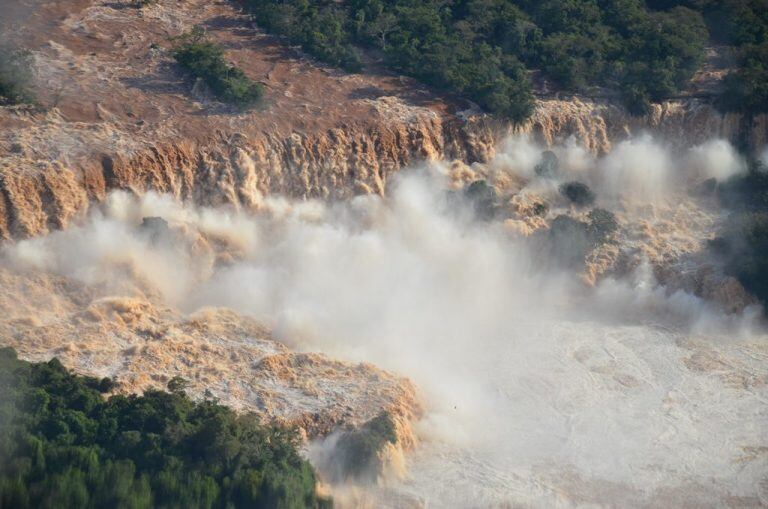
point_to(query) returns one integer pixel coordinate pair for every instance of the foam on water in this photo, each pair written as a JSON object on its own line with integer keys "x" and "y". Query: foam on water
{"x": 589, "y": 412}
{"x": 540, "y": 390}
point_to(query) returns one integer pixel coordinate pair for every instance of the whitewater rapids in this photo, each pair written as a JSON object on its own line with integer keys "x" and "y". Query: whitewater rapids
{"x": 609, "y": 415}
{"x": 539, "y": 389}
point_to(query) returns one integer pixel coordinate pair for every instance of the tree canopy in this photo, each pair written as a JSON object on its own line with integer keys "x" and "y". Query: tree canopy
{"x": 744, "y": 24}
{"x": 204, "y": 59}
{"x": 489, "y": 50}
{"x": 64, "y": 445}
{"x": 484, "y": 49}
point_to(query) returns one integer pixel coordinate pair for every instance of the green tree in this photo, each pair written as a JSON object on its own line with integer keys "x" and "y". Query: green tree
{"x": 204, "y": 59}
{"x": 483, "y": 49}
{"x": 62, "y": 445}
{"x": 15, "y": 75}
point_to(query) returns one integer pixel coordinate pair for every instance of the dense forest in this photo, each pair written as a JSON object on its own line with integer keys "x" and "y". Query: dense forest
{"x": 743, "y": 24}
{"x": 484, "y": 49}
{"x": 64, "y": 445}
{"x": 487, "y": 50}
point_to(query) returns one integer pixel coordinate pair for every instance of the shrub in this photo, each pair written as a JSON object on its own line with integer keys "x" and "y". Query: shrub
{"x": 358, "y": 450}
{"x": 569, "y": 240}
{"x": 320, "y": 29}
{"x": 15, "y": 75}
{"x": 742, "y": 248}
{"x": 177, "y": 385}
{"x": 483, "y": 199}
{"x": 636, "y": 100}
{"x": 746, "y": 192}
{"x": 63, "y": 445}
{"x": 548, "y": 165}
{"x": 540, "y": 209}
{"x": 744, "y": 25}
{"x": 746, "y": 89}
{"x": 156, "y": 229}
{"x": 204, "y": 59}
{"x": 577, "y": 193}
{"x": 602, "y": 224}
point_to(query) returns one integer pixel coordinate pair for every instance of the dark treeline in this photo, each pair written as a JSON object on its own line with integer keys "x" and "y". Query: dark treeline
{"x": 63, "y": 445}
{"x": 482, "y": 49}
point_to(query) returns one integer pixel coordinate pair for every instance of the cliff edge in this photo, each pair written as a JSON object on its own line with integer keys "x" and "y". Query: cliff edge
{"x": 117, "y": 113}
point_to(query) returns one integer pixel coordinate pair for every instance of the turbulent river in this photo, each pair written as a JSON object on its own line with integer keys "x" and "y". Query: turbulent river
{"x": 538, "y": 391}
{"x": 602, "y": 414}
{"x": 543, "y": 385}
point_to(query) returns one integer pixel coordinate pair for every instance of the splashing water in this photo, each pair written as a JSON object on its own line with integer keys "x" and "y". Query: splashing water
{"x": 540, "y": 391}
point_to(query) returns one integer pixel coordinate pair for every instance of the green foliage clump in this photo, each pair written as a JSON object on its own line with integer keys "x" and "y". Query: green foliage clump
{"x": 744, "y": 25}
{"x": 744, "y": 249}
{"x": 15, "y": 75}
{"x": 570, "y": 240}
{"x": 620, "y": 44}
{"x": 746, "y": 193}
{"x": 483, "y": 199}
{"x": 63, "y": 445}
{"x": 358, "y": 450}
{"x": 204, "y": 59}
{"x": 741, "y": 25}
{"x": 602, "y": 224}
{"x": 421, "y": 39}
{"x": 540, "y": 209}
{"x": 577, "y": 193}
{"x": 548, "y": 165}
{"x": 746, "y": 89}
{"x": 319, "y": 27}
{"x": 482, "y": 49}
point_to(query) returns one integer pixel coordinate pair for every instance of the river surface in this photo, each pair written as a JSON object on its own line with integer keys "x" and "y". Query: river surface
{"x": 606, "y": 414}
{"x": 541, "y": 387}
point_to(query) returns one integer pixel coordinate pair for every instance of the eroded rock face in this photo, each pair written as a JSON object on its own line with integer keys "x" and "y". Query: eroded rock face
{"x": 598, "y": 124}
{"x": 41, "y": 194}
{"x": 239, "y": 170}
{"x": 121, "y": 116}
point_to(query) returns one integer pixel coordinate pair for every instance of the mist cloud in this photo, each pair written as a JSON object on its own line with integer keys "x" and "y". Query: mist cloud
{"x": 716, "y": 159}
{"x": 529, "y": 375}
